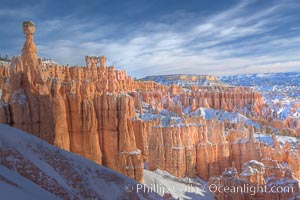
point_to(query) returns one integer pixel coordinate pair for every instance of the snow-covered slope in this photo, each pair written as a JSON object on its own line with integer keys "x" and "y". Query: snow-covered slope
{"x": 15, "y": 186}
{"x": 280, "y": 91}
{"x": 210, "y": 113}
{"x": 168, "y": 117}
{"x": 268, "y": 79}
{"x": 184, "y": 188}
{"x": 32, "y": 169}
{"x": 268, "y": 139}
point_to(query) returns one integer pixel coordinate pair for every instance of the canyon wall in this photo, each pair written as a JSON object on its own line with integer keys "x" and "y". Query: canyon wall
{"x": 79, "y": 109}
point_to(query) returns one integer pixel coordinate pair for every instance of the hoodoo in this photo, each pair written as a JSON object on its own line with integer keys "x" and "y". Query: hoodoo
{"x": 29, "y": 51}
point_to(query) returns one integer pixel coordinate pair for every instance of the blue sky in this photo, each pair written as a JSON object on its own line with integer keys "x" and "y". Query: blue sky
{"x": 151, "y": 37}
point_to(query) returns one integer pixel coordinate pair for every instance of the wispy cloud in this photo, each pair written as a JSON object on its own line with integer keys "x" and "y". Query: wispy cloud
{"x": 20, "y": 12}
{"x": 244, "y": 38}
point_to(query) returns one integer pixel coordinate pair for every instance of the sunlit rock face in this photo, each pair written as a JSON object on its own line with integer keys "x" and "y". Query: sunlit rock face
{"x": 259, "y": 180}
{"x": 79, "y": 109}
{"x": 106, "y": 116}
{"x": 29, "y": 51}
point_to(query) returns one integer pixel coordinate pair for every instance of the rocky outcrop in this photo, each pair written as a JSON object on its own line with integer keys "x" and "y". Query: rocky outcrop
{"x": 273, "y": 168}
{"x": 29, "y": 51}
{"x": 189, "y": 150}
{"x": 117, "y": 138}
{"x": 224, "y": 98}
{"x": 258, "y": 180}
{"x": 75, "y": 108}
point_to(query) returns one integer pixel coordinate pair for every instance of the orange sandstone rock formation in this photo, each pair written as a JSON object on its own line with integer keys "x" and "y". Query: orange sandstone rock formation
{"x": 258, "y": 180}
{"x": 75, "y": 108}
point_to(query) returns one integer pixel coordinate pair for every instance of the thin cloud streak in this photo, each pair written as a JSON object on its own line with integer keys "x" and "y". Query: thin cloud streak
{"x": 233, "y": 41}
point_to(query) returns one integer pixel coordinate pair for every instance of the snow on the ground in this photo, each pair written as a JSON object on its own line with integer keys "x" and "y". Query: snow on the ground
{"x": 4, "y": 62}
{"x": 34, "y": 166}
{"x": 51, "y": 62}
{"x": 266, "y": 138}
{"x": 210, "y": 113}
{"x": 14, "y": 186}
{"x": 167, "y": 117}
{"x": 179, "y": 188}
{"x": 292, "y": 140}
{"x": 289, "y": 78}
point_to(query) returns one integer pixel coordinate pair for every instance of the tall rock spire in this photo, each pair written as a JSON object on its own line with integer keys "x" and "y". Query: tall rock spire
{"x": 31, "y": 63}
{"x": 29, "y": 51}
